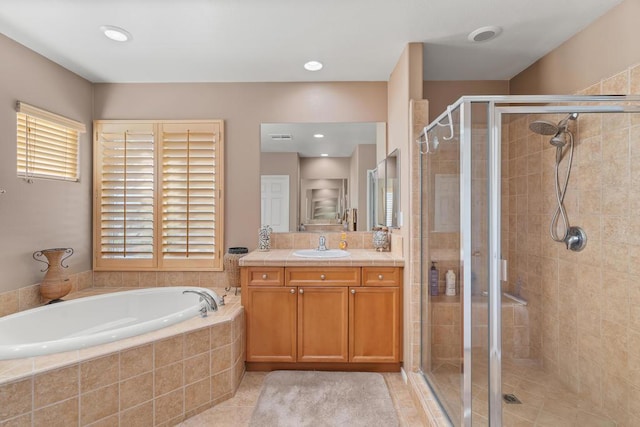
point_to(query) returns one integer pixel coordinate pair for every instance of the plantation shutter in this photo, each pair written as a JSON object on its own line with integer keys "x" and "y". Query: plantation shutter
{"x": 125, "y": 198}
{"x": 47, "y": 144}
{"x": 158, "y": 195}
{"x": 191, "y": 190}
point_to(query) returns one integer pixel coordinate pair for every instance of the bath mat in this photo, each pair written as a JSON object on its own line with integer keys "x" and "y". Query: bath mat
{"x": 312, "y": 398}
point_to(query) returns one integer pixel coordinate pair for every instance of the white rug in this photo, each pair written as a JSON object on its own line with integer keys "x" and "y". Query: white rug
{"x": 313, "y": 398}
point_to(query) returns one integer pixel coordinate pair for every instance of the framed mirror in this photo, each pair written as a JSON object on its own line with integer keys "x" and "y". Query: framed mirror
{"x": 326, "y": 167}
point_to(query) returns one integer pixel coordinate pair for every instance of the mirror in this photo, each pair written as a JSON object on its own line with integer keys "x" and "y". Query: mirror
{"x": 384, "y": 183}
{"x": 315, "y": 176}
{"x": 392, "y": 213}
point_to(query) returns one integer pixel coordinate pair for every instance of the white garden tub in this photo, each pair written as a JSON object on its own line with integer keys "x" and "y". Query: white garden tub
{"x": 85, "y": 322}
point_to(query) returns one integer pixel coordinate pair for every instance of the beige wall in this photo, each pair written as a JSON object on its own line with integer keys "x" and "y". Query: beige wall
{"x": 284, "y": 164}
{"x": 405, "y": 84}
{"x": 324, "y": 167}
{"x": 443, "y": 93}
{"x": 243, "y": 106}
{"x": 601, "y": 50}
{"x": 44, "y": 214}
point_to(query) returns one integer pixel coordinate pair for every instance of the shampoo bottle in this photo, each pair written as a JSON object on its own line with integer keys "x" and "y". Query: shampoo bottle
{"x": 433, "y": 279}
{"x": 450, "y": 278}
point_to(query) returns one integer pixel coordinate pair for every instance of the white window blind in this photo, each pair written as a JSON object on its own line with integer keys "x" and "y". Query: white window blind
{"x": 47, "y": 144}
{"x": 125, "y": 200}
{"x": 158, "y": 195}
{"x": 189, "y": 193}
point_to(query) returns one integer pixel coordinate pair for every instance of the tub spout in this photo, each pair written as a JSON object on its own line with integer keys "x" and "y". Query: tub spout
{"x": 210, "y": 303}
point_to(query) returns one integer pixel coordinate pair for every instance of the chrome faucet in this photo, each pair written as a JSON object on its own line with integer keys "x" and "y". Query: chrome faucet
{"x": 322, "y": 243}
{"x": 210, "y": 303}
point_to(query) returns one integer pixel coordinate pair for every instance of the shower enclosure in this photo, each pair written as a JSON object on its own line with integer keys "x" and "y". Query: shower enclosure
{"x": 531, "y": 201}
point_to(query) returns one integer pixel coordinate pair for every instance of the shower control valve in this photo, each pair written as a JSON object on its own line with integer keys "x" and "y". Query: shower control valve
{"x": 576, "y": 239}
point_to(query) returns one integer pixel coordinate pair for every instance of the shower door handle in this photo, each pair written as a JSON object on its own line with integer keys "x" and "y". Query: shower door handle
{"x": 504, "y": 276}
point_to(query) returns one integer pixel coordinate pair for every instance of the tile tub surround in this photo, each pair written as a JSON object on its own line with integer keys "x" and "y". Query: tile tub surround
{"x": 158, "y": 378}
{"x": 29, "y": 296}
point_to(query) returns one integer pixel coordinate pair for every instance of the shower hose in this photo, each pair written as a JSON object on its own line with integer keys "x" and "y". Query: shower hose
{"x": 560, "y": 211}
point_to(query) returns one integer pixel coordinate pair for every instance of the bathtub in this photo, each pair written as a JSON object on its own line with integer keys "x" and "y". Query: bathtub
{"x": 90, "y": 321}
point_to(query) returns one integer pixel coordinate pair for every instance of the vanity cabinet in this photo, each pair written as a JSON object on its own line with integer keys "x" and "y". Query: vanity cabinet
{"x": 307, "y": 317}
{"x": 323, "y": 324}
{"x": 374, "y": 324}
{"x": 271, "y": 325}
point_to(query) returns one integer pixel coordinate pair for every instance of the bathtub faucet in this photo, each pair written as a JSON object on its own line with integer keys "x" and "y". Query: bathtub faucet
{"x": 210, "y": 303}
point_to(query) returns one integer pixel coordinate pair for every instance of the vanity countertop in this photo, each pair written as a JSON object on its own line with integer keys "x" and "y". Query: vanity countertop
{"x": 285, "y": 258}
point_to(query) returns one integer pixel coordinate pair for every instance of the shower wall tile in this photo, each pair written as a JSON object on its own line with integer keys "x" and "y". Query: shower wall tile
{"x": 584, "y": 308}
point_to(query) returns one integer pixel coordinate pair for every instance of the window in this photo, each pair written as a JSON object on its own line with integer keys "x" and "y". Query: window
{"x": 158, "y": 201}
{"x": 47, "y": 144}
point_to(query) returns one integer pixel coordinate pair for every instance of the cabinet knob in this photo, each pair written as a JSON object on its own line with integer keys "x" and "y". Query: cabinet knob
{"x": 293, "y": 291}
{"x": 322, "y": 277}
{"x": 264, "y": 277}
{"x": 301, "y": 291}
{"x": 380, "y": 277}
{"x": 353, "y": 291}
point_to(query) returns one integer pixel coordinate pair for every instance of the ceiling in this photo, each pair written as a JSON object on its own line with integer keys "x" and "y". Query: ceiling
{"x": 269, "y": 40}
{"x": 339, "y": 139}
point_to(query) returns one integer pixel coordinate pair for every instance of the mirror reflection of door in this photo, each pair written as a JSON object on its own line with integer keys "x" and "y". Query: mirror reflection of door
{"x": 275, "y": 201}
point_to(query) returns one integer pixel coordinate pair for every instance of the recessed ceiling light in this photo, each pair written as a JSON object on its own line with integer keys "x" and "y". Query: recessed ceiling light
{"x": 313, "y": 66}
{"x": 115, "y": 33}
{"x": 318, "y": 135}
{"x": 324, "y": 155}
{"x": 484, "y": 34}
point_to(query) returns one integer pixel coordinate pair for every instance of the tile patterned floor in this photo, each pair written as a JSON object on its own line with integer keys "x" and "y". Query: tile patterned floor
{"x": 236, "y": 412}
{"x": 546, "y": 402}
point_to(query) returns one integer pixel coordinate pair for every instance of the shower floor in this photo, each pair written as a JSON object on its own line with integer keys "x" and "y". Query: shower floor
{"x": 545, "y": 400}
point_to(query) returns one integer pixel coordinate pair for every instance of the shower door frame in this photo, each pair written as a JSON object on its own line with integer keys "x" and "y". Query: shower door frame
{"x": 497, "y": 106}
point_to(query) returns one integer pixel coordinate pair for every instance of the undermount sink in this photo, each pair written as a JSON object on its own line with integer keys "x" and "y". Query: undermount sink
{"x": 314, "y": 253}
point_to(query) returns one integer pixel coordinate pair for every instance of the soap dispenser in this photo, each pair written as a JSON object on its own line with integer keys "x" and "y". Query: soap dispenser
{"x": 433, "y": 279}
{"x": 343, "y": 240}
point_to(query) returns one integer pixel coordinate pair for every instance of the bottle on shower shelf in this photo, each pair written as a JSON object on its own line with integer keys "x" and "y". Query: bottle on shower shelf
{"x": 433, "y": 280}
{"x": 450, "y": 279}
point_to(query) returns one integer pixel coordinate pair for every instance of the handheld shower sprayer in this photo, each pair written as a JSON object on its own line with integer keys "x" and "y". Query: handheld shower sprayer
{"x": 574, "y": 237}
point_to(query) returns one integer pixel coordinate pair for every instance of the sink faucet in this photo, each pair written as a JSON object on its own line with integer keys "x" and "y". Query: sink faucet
{"x": 322, "y": 243}
{"x": 210, "y": 303}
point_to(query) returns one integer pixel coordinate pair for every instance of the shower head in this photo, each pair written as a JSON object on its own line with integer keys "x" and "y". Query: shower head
{"x": 544, "y": 127}
{"x": 559, "y": 139}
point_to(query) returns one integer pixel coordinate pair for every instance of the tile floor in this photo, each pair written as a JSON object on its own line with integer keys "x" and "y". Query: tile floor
{"x": 236, "y": 412}
{"x": 546, "y": 402}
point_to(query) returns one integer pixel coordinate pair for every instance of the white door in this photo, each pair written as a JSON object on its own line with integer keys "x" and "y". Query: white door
{"x": 275, "y": 201}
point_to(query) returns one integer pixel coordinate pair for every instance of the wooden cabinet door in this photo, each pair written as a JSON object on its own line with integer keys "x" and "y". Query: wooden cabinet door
{"x": 374, "y": 324}
{"x": 323, "y": 324}
{"x": 271, "y": 324}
